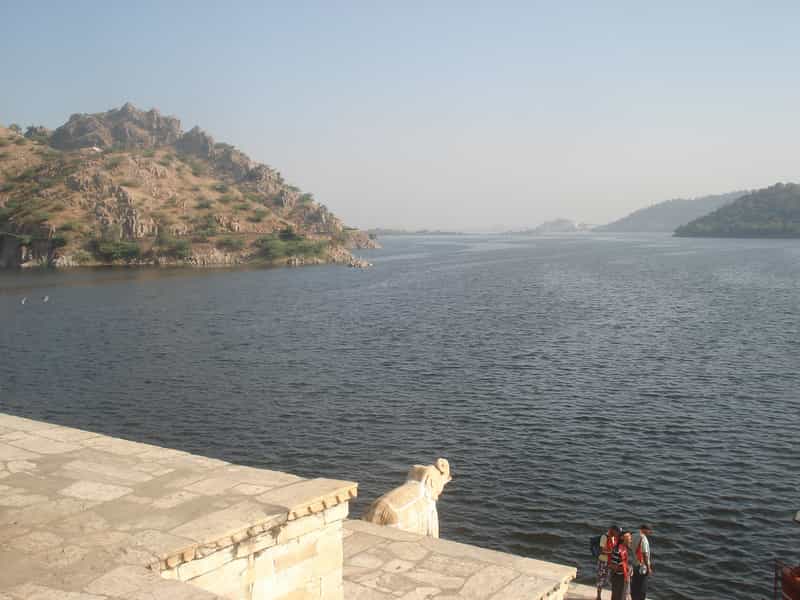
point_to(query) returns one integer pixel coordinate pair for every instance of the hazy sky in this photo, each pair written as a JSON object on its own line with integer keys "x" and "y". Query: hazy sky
{"x": 440, "y": 114}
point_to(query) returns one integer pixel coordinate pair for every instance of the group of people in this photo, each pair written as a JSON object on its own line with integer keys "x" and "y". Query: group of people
{"x": 617, "y": 550}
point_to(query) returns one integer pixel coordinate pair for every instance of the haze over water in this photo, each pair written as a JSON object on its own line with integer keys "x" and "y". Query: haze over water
{"x": 572, "y": 382}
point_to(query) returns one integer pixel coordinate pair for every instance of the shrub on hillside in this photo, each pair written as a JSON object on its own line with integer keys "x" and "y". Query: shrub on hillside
{"x": 37, "y": 134}
{"x": 288, "y": 234}
{"x": 180, "y": 249}
{"x": 273, "y": 247}
{"x": 81, "y": 257}
{"x": 70, "y": 226}
{"x": 230, "y": 244}
{"x": 115, "y": 251}
{"x": 205, "y": 225}
{"x": 258, "y": 216}
{"x": 198, "y": 169}
{"x": 38, "y": 218}
{"x": 47, "y": 182}
{"x": 5, "y": 215}
{"x": 113, "y": 162}
{"x": 26, "y": 175}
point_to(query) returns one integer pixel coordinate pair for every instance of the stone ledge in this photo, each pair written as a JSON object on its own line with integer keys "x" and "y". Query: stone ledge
{"x": 382, "y": 562}
{"x": 311, "y": 496}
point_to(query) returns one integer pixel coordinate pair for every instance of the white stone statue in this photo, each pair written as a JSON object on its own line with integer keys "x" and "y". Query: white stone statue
{"x": 412, "y": 506}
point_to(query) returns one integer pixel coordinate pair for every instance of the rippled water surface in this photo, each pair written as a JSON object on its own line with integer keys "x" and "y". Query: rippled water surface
{"x": 571, "y": 382}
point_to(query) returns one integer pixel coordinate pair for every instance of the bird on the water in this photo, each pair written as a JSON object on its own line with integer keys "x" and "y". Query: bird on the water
{"x": 24, "y": 300}
{"x": 45, "y": 298}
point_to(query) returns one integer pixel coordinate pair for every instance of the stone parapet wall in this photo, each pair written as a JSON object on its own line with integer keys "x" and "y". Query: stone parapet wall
{"x": 300, "y": 559}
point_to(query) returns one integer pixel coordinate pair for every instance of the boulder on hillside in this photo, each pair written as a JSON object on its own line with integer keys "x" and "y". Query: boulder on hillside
{"x": 126, "y": 127}
{"x": 196, "y": 142}
{"x": 266, "y": 180}
{"x": 232, "y": 161}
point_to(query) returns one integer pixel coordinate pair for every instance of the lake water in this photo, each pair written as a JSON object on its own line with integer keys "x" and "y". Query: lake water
{"x": 572, "y": 382}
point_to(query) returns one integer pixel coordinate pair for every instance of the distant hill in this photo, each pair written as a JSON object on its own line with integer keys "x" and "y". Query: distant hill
{"x": 131, "y": 187}
{"x": 556, "y": 226}
{"x": 666, "y": 216}
{"x": 770, "y": 212}
{"x": 559, "y": 226}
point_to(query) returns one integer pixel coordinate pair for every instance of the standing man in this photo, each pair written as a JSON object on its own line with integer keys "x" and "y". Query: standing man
{"x": 642, "y": 567}
{"x": 608, "y": 541}
{"x": 619, "y": 567}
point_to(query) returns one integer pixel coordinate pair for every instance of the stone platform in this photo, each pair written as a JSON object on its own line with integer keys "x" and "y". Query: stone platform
{"x": 89, "y": 517}
{"x": 85, "y": 516}
{"x": 382, "y": 563}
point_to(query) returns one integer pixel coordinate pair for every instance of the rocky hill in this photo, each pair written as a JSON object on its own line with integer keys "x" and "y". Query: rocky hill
{"x": 131, "y": 187}
{"x": 770, "y": 212}
{"x": 666, "y": 216}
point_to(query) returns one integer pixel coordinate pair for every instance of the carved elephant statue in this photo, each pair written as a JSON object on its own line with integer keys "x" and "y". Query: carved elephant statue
{"x": 412, "y": 506}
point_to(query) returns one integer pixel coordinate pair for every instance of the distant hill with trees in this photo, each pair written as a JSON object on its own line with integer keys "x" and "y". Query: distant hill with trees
{"x": 770, "y": 212}
{"x": 668, "y": 215}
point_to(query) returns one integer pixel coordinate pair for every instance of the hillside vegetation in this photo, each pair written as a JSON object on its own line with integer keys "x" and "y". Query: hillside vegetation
{"x": 666, "y": 216}
{"x": 129, "y": 186}
{"x": 770, "y": 212}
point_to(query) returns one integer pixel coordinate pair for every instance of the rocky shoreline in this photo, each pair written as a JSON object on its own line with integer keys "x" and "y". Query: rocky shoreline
{"x": 213, "y": 258}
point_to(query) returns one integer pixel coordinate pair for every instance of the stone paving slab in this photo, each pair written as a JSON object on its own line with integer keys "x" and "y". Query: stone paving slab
{"x": 382, "y": 563}
{"x": 84, "y": 516}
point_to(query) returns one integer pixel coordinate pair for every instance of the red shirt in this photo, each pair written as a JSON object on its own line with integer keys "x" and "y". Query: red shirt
{"x": 622, "y": 551}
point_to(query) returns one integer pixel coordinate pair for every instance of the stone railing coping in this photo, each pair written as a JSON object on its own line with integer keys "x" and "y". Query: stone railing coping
{"x": 310, "y": 496}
